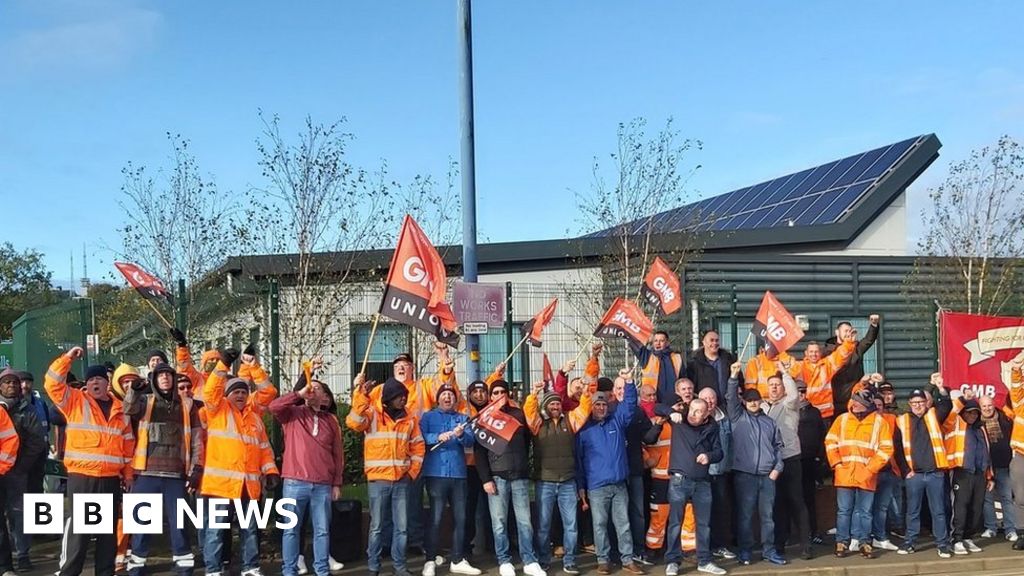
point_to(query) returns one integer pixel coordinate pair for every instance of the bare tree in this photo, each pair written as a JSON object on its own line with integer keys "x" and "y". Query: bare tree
{"x": 974, "y": 233}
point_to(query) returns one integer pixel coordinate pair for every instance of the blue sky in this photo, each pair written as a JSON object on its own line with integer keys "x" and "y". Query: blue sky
{"x": 86, "y": 86}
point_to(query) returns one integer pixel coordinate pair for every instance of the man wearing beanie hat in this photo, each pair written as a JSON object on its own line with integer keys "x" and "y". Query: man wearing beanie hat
{"x": 967, "y": 448}
{"x": 393, "y": 453}
{"x": 155, "y": 356}
{"x": 235, "y": 428}
{"x": 100, "y": 445}
{"x": 447, "y": 435}
{"x": 313, "y": 464}
{"x": 756, "y": 463}
{"x": 922, "y": 460}
{"x": 859, "y": 444}
{"x": 168, "y": 448}
{"x": 554, "y": 463}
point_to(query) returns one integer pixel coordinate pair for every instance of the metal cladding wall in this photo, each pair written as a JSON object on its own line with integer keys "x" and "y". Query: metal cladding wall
{"x": 826, "y": 290}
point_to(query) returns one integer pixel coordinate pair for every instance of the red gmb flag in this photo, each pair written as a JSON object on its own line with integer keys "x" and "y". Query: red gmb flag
{"x": 774, "y": 327}
{"x": 494, "y": 429}
{"x": 624, "y": 319}
{"x": 975, "y": 352}
{"x": 533, "y": 329}
{"x": 661, "y": 287}
{"x": 548, "y": 373}
{"x": 148, "y": 286}
{"x": 415, "y": 289}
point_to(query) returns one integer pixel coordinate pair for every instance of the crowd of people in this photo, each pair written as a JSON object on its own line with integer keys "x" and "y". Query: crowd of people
{"x": 664, "y": 462}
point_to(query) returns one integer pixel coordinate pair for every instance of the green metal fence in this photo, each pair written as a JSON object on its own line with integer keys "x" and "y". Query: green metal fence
{"x": 41, "y": 335}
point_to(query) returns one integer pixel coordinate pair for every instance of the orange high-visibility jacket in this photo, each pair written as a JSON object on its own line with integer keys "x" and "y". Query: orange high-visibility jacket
{"x": 931, "y": 422}
{"x": 186, "y": 366}
{"x": 890, "y": 419}
{"x": 858, "y": 449}
{"x": 955, "y": 429}
{"x": 236, "y": 442}
{"x": 649, "y": 374}
{"x": 660, "y": 452}
{"x": 760, "y": 368}
{"x": 142, "y": 442}
{"x": 1014, "y": 381}
{"x": 96, "y": 446}
{"x": 422, "y": 392}
{"x": 9, "y": 443}
{"x": 577, "y": 416}
{"x": 392, "y": 448}
{"x": 818, "y": 376}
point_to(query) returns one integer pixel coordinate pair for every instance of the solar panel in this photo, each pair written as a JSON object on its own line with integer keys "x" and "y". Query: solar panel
{"x": 816, "y": 196}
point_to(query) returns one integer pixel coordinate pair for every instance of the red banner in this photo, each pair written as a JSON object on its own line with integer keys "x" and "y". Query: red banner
{"x": 548, "y": 373}
{"x": 535, "y": 326}
{"x": 148, "y": 286}
{"x": 774, "y": 327}
{"x": 494, "y": 428}
{"x": 973, "y": 350}
{"x": 625, "y": 320}
{"x": 416, "y": 285}
{"x": 661, "y": 288}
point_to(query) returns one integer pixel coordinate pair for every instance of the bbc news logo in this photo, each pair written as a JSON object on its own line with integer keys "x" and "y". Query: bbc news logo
{"x": 144, "y": 513}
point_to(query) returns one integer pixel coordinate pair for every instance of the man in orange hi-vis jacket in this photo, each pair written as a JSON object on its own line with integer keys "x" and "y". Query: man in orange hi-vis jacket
{"x": 817, "y": 370}
{"x": 98, "y": 453}
{"x": 9, "y": 443}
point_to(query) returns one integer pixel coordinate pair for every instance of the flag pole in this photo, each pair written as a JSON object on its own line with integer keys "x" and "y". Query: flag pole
{"x": 158, "y": 313}
{"x": 585, "y": 346}
{"x": 369, "y": 344}
{"x": 514, "y": 350}
{"x": 745, "y": 343}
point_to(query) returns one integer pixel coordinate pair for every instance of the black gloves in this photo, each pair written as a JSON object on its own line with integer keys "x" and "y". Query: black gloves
{"x": 228, "y": 356}
{"x": 179, "y": 337}
{"x": 139, "y": 384}
{"x": 250, "y": 350}
{"x": 273, "y": 482}
{"x": 195, "y": 478}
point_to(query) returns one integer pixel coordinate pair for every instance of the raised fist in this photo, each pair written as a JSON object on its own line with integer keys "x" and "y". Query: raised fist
{"x": 228, "y": 356}
{"x": 75, "y": 353}
{"x": 874, "y": 319}
{"x": 568, "y": 366}
{"x": 596, "y": 348}
{"x": 735, "y": 369}
{"x": 179, "y": 338}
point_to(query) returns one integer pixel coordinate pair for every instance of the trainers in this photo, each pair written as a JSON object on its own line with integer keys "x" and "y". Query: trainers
{"x": 854, "y": 544}
{"x": 1018, "y": 544}
{"x": 884, "y": 545}
{"x": 899, "y": 533}
{"x": 301, "y": 565}
{"x": 841, "y": 550}
{"x": 558, "y": 552}
{"x": 959, "y": 549}
{"x": 429, "y": 568}
{"x": 570, "y": 570}
{"x": 603, "y": 569}
{"x": 333, "y": 565}
{"x": 724, "y": 553}
{"x": 439, "y": 560}
{"x": 817, "y": 539}
{"x": 644, "y": 560}
{"x": 906, "y": 549}
{"x": 464, "y": 567}
{"x": 867, "y": 551}
{"x": 1011, "y": 536}
{"x": 971, "y": 546}
{"x": 945, "y": 553}
{"x": 710, "y": 568}
{"x": 744, "y": 558}
{"x": 775, "y": 558}
{"x": 672, "y": 569}
{"x": 507, "y": 569}
{"x": 589, "y": 548}
{"x": 632, "y": 568}
{"x": 831, "y": 532}
{"x": 989, "y": 533}
{"x": 252, "y": 572}
{"x": 807, "y": 553}
{"x": 534, "y": 569}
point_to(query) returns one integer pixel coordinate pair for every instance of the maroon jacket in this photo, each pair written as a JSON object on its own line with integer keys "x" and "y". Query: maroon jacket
{"x": 319, "y": 458}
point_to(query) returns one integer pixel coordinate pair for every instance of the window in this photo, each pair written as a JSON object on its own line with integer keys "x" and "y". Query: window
{"x": 494, "y": 349}
{"x": 742, "y": 331}
{"x": 390, "y": 341}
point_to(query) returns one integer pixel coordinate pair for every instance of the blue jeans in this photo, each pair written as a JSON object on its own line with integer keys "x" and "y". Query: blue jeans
{"x": 853, "y": 518}
{"x": 1003, "y": 492}
{"x": 755, "y": 492}
{"x": 680, "y": 491}
{"x": 214, "y": 545}
{"x": 519, "y": 491}
{"x": 317, "y": 499}
{"x": 453, "y": 492}
{"x": 388, "y": 506}
{"x": 932, "y": 485}
{"x": 171, "y": 489}
{"x": 564, "y": 493}
{"x": 611, "y": 502}
{"x": 884, "y": 488}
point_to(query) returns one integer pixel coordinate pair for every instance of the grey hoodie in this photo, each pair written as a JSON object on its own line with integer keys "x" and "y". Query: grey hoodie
{"x": 756, "y": 442}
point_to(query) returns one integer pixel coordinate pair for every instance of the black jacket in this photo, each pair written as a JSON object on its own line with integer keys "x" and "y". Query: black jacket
{"x": 638, "y": 427}
{"x": 688, "y": 442}
{"x": 851, "y": 373}
{"x": 700, "y": 370}
{"x": 31, "y": 434}
{"x": 811, "y": 432}
{"x": 514, "y": 463}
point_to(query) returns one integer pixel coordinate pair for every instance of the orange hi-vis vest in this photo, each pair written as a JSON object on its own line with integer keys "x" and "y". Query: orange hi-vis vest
{"x": 956, "y": 438}
{"x": 1014, "y": 381}
{"x": 931, "y": 422}
{"x": 183, "y": 358}
{"x": 818, "y": 376}
{"x": 760, "y": 368}
{"x": 649, "y": 375}
{"x": 142, "y": 442}
{"x": 391, "y": 448}
{"x": 96, "y": 446}
{"x": 661, "y": 452}
{"x": 9, "y": 443}
{"x": 858, "y": 449}
{"x": 577, "y": 417}
{"x": 890, "y": 419}
{"x": 236, "y": 440}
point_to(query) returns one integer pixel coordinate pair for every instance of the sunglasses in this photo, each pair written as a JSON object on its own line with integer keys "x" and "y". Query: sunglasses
{"x": 498, "y": 393}
{"x": 184, "y": 387}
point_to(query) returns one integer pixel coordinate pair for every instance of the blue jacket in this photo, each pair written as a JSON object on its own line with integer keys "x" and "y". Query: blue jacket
{"x": 601, "y": 446}
{"x": 756, "y": 440}
{"x": 449, "y": 460}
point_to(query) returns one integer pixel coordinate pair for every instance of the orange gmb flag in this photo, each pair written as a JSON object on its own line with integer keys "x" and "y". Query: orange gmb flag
{"x": 534, "y": 328}
{"x": 774, "y": 327}
{"x": 625, "y": 320}
{"x": 148, "y": 286}
{"x": 548, "y": 373}
{"x": 416, "y": 285}
{"x": 661, "y": 287}
{"x": 494, "y": 429}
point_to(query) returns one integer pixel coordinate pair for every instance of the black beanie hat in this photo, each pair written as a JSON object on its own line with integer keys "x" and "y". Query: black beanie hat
{"x": 751, "y": 395}
{"x": 500, "y": 384}
{"x": 605, "y": 384}
{"x": 446, "y": 387}
{"x": 96, "y": 371}
{"x": 476, "y": 385}
{"x": 157, "y": 352}
{"x": 235, "y": 384}
{"x": 393, "y": 389}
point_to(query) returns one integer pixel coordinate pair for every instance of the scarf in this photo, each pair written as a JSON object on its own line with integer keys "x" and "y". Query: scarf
{"x": 648, "y": 407}
{"x": 992, "y": 427}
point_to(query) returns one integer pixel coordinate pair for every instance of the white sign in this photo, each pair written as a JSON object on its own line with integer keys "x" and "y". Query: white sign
{"x": 474, "y": 328}
{"x": 92, "y": 343}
